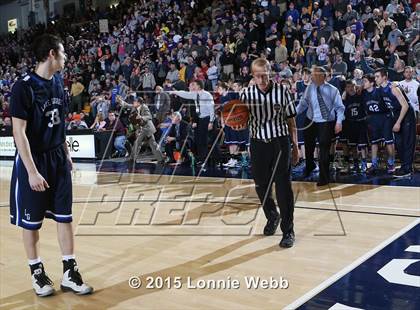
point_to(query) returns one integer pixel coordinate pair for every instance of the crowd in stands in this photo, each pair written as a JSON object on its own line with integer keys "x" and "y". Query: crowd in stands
{"x": 154, "y": 47}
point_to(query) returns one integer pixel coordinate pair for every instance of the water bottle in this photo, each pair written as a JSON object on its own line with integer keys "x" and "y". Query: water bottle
{"x": 244, "y": 162}
{"x": 192, "y": 158}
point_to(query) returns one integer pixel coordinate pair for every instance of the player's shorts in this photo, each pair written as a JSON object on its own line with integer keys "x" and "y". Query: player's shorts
{"x": 380, "y": 128}
{"x": 356, "y": 133}
{"x": 28, "y": 208}
{"x": 237, "y": 137}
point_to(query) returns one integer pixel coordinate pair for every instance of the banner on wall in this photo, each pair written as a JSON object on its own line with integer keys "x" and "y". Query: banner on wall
{"x": 80, "y": 146}
{"x": 103, "y": 25}
{"x": 12, "y": 25}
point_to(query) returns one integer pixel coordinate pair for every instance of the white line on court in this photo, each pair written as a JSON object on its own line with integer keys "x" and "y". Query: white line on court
{"x": 359, "y": 206}
{"x": 300, "y": 301}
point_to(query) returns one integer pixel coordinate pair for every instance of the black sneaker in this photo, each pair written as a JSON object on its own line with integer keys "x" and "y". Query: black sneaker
{"x": 288, "y": 240}
{"x": 401, "y": 173}
{"x": 72, "y": 280}
{"x": 42, "y": 284}
{"x": 271, "y": 226}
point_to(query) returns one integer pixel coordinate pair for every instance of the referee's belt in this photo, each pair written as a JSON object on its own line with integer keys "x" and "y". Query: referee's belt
{"x": 269, "y": 140}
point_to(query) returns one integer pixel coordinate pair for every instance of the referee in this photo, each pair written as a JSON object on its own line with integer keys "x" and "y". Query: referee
{"x": 272, "y": 127}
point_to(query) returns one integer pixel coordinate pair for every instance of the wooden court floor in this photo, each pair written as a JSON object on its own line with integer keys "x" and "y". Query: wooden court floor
{"x": 193, "y": 230}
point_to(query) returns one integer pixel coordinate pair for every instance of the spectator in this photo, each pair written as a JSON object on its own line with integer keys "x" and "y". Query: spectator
{"x": 280, "y": 52}
{"x": 6, "y": 125}
{"x": 162, "y": 104}
{"x": 177, "y": 139}
{"x": 411, "y": 88}
{"x": 394, "y": 34}
{"x": 400, "y": 17}
{"x": 77, "y": 123}
{"x": 119, "y": 131}
{"x": 384, "y": 23}
{"x": 4, "y": 112}
{"x": 411, "y": 35}
{"x": 402, "y": 49}
{"x": 285, "y": 71}
{"x": 77, "y": 89}
{"x": 147, "y": 81}
{"x": 339, "y": 67}
{"x": 349, "y": 43}
{"x": 173, "y": 73}
{"x": 350, "y": 15}
{"x": 322, "y": 51}
{"x": 99, "y": 123}
{"x": 93, "y": 84}
{"x": 292, "y": 12}
{"x": 213, "y": 74}
{"x": 392, "y": 8}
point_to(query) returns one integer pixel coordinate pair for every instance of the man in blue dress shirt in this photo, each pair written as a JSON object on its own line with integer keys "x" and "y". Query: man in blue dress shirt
{"x": 324, "y": 115}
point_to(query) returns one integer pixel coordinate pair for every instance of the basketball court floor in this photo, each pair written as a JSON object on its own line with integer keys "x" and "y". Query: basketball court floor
{"x": 152, "y": 238}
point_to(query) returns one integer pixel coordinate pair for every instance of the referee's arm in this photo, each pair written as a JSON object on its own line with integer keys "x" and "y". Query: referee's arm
{"x": 291, "y": 123}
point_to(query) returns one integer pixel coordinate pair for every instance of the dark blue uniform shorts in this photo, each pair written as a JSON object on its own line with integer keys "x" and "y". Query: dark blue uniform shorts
{"x": 28, "y": 208}
{"x": 380, "y": 128}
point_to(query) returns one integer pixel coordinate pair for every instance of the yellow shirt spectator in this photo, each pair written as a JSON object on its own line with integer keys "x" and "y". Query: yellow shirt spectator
{"x": 77, "y": 88}
{"x": 182, "y": 73}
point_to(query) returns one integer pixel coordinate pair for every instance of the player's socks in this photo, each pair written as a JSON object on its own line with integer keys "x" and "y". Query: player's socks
{"x": 364, "y": 165}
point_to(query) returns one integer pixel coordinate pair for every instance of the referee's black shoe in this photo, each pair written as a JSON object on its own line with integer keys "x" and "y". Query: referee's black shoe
{"x": 288, "y": 240}
{"x": 309, "y": 170}
{"x": 322, "y": 183}
{"x": 271, "y": 226}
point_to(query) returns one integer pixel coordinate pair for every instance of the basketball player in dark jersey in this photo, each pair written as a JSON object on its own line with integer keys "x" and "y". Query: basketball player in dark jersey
{"x": 41, "y": 184}
{"x": 404, "y": 122}
{"x": 379, "y": 121}
{"x": 354, "y": 126}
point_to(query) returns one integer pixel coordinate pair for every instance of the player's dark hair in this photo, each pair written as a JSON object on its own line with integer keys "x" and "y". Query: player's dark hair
{"x": 223, "y": 85}
{"x": 306, "y": 70}
{"x": 369, "y": 77}
{"x": 382, "y": 72}
{"x": 43, "y": 44}
{"x": 350, "y": 82}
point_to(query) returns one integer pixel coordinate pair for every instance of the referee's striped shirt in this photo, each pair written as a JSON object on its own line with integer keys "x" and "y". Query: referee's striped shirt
{"x": 268, "y": 111}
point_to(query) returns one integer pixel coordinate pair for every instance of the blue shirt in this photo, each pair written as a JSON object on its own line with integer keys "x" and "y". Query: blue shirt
{"x": 332, "y": 99}
{"x": 374, "y": 102}
{"x": 114, "y": 94}
{"x": 390, "y": 100}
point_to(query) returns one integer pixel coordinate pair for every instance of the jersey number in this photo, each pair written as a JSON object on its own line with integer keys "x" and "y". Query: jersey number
{"x": 373, "y": 108}
{"x": 54, "y": 116}
{"x": 354, "y": 112}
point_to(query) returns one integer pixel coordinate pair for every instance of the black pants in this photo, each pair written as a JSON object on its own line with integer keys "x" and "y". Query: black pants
{"x": 405, "y": 141}
{"x": 201, "y": 133}
{"x": 324, "y": 132}
{"x": 170, "y": 147}
{"x": 264, "y": 157}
